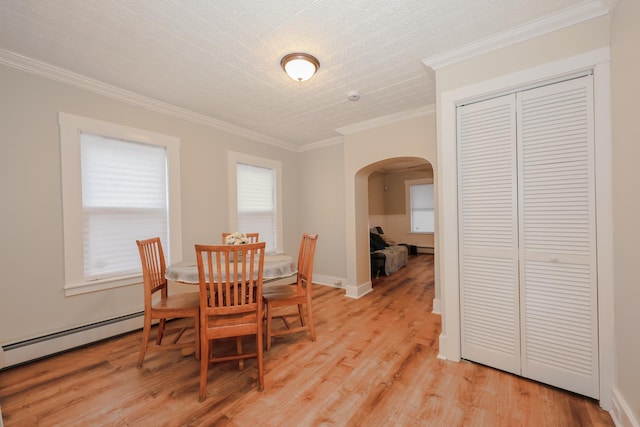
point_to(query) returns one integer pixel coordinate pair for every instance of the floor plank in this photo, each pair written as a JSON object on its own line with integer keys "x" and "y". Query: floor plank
{"x": 374, "y": 364}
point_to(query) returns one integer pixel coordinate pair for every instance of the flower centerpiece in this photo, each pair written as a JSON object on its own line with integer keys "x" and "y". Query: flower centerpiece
{"x": 235, "y": 239}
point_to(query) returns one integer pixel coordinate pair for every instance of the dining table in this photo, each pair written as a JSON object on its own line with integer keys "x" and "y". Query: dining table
{"x": 278, "y": 268}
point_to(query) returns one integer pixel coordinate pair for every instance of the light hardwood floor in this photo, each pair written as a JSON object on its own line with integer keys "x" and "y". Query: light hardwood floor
{"x": 374, "y": 364}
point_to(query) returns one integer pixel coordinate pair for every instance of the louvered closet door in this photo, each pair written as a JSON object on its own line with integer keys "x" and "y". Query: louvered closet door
{"x": 487, "y": 207}
{"x": 557, "y": 236}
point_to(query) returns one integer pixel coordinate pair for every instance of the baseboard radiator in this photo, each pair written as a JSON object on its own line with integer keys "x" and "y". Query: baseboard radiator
{"x": 35, "y": 348}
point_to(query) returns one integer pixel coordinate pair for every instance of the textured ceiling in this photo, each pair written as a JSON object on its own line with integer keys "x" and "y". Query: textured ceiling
{"x": 221, "y": 59}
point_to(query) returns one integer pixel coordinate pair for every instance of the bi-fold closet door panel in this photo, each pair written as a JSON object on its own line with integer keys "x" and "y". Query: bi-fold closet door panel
{"x": 553, "y": 334}
{"x": 557, "y": 235}
{"x": 488, "y": 230}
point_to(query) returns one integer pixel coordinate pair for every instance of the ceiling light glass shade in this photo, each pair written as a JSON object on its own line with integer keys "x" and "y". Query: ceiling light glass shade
{"x": 300, "y": 66}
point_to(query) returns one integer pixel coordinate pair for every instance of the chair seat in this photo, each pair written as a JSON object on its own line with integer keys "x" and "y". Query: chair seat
{"x": 179, "y": 301}
{"x": 230, "y": 321}
{"x": 283, "y": 292}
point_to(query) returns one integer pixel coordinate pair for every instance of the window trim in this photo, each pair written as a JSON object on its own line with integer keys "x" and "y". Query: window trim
{"x": 71, "y": 126}
{"x": 233, "y": 158}
{"x": 407, "y": 191}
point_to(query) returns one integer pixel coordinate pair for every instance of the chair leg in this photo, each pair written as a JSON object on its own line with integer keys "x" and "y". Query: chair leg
{"x": 204, "y": 366}
{"x": 259, "y": 351}
{"x": 239, "y": 349}
{"x": 161, "y": 325}
{"x": 196, "y": 332}
{"x": 312, "y": 326}
{"x": 301, "y": 314}
{"x": 269, "y": 321}
{"x": 146, "y": 332}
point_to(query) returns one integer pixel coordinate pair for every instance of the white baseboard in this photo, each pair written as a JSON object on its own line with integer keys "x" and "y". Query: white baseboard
{"x": 359, "y": 291}
{"x": 334, "y": 282}
{"x": 436, "y": 306}
{"x": 621, "y": 411}
{"x": 36, "y": 348}
{"x": 444, "y": 352}
{"x": 442, "y": 343}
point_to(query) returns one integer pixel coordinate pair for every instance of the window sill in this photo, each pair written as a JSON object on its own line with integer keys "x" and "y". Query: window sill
{"x": 101, "y": 285}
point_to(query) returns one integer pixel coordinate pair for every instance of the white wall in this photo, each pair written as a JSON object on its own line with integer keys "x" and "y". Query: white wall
{"x": 32, "y": 301}
{"x": 625, "y": 65}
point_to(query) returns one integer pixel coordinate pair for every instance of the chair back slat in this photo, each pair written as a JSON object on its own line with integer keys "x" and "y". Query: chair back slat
{"x": 153, "y": 267}
{"x": 231, "y": 277}
{"x": 305, "y": 259}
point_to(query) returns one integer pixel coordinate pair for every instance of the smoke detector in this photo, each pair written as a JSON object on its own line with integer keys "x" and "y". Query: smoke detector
{"x": 353, "y": 95}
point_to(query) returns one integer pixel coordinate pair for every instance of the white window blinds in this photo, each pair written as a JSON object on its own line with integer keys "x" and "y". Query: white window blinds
{"x": 124, "y": 198}
{"x": 422, "y": 214}
{"x": 256, "y": 198}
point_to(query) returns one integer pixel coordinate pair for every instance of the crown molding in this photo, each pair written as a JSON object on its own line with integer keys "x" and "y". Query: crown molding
{"x": 385, "y": 120}
{"x": 65, "y": 76}
{"x": 321, "y": 144}
{"x": 570, "y": 16}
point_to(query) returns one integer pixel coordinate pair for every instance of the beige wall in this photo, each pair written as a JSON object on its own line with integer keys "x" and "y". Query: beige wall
{"x": 394, "y": 198}
{"x": 321, "y": 207}
{"x": 550, "y": 47}
{"x": 377, "y": 182}
{"x": 32, "y": 301}
{"x": 625, "y": 66}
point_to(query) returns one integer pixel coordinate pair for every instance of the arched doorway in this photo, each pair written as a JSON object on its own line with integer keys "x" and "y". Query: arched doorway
{"x": 397, "y": 170}
{"x": 365, "y": 151}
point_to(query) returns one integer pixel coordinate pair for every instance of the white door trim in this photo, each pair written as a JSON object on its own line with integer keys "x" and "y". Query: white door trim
{"x": 598, "y": 60}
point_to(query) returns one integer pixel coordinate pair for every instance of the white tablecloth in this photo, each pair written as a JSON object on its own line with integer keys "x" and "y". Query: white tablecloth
{"x": 275, "y": 267}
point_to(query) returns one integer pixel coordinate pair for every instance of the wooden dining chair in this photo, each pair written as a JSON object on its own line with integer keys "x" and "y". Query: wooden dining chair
{"x": 158, "y": 304}
{"x": 231, "y": 280}
{"x": 253, "y": 237}
{"x": 296, "y": 294}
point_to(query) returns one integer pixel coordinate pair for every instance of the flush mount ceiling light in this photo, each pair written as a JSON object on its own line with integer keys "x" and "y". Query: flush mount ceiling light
{"x": 300, "y": 66}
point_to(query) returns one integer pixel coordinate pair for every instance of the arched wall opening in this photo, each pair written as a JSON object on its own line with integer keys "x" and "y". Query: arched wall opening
{"x": 365, "y": 152}
{"x": 400, "y": 169}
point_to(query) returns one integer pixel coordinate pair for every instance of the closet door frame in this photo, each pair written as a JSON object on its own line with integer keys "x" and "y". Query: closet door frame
{"x": 447, "y": 234}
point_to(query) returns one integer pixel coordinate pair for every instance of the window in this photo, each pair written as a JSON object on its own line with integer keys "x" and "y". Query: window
{"x": 421, "y": 205}
{"x": 254, "y": 198}
{"x": 116, "y": 187}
